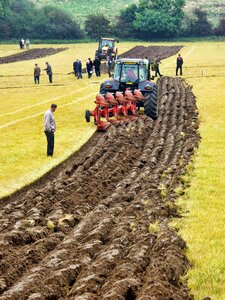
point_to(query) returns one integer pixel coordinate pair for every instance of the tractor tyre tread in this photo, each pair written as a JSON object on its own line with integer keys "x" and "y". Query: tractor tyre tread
{"x": 151, "y": 105}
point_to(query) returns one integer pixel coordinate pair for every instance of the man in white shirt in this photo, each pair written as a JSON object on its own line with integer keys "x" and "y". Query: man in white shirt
{"x": 49, "y": 129}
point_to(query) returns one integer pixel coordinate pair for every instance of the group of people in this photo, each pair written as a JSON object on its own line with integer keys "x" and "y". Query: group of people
{"x": 91, "y": 66}
{"x": 179, "y": 65}
{"x": 24, "y": 43}
{"x": 37, "y": 73}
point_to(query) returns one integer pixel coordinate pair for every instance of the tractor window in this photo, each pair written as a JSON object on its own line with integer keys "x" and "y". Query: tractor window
{"x": 143, "y": 72}
{"x": 106, "y": 43}
{"x": 117, "y": 72}
{"x": 129, "y": 73}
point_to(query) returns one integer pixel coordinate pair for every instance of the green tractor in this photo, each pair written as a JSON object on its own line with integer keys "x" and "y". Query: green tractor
{"x": 107, "y": 47}
{"x": 120, "y": 98}
{"x": 134, "y": 74}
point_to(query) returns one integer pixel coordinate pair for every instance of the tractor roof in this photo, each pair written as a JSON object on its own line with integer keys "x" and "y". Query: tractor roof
{"x": 109, "y": 39}
{"x": 132, "y": 60}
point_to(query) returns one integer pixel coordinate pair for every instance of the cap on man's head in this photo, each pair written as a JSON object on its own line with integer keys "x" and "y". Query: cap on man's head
{"x": 53, "y": 106}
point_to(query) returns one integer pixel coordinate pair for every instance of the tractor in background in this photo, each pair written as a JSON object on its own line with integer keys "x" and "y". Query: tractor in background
{"x": 121, "y": 97}
{"x": 107, "y": 47}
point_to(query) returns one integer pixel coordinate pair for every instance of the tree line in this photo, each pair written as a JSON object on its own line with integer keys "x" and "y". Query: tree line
{"x": 149, "y": 19}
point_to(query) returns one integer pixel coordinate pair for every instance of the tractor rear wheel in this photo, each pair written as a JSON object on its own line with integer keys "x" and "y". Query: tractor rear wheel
{"x": 151, "y": 105}
{"x": 87, "y": 116}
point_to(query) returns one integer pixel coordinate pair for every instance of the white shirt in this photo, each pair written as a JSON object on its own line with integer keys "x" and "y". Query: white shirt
{"x": 49, "y": 121}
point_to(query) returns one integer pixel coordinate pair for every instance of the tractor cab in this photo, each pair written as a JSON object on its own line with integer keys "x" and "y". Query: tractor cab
{"x": 107, "y": 47}
{"x": 131, "y": 72}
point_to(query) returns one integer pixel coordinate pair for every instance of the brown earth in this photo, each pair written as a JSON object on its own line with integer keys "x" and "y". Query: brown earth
{"x": 30, "y": 54}
{"x": 96, "y": 227}
{"x": 151, "y": 52}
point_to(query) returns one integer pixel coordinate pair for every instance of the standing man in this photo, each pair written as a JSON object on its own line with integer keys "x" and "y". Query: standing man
{"x": 97, "y": 65}
{"x": 108, "y": 65}
{"x": 48, "y": 71}
{"x": 89, "y": 67}
{"x": 79, "y": 69}
{"x": 75, "y": 67}
{"x": 180, "y": 62}
{"x": 27, "y": 44}
{"x": 156, "y": 66}
{"x": 37, "y": 73}
{"x": 49, "y": 129}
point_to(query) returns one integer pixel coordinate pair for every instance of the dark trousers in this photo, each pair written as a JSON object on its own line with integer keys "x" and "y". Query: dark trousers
{"x": 157, "y": 71}
{"x": 50, "y": 78}
{"x": 89, "y": 74}
{"x": 97, "y": 72}
{"x": 79, "y": 75}
{"x": 36, "y": 79}
{"x": 50, "y": 140}
{"x": 177, "y": 69}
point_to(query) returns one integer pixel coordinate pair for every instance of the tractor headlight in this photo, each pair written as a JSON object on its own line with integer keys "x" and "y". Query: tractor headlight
{"x": 108, "y": 85}
{"x": 148, "y": 87}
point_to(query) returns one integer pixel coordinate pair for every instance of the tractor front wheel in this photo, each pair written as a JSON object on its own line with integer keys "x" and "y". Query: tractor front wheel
{"x": 87, "y": 116}
{"x": 151, "y": 105}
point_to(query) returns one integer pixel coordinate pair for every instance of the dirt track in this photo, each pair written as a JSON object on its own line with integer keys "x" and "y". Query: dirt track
{"x": 99, "y": 244}
{"x": 30, "y": 54}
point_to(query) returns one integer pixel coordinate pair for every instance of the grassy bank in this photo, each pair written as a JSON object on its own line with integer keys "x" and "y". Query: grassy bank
{"x": 203, "y": 227}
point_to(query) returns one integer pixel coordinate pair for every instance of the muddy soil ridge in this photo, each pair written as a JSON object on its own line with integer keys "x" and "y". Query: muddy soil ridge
{"x": 98, "y": 228}
{"x": 151, "y": 52}
{"x": 30, "y": 54}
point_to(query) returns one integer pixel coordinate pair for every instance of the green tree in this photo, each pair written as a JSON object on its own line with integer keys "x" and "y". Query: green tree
{"x": 220, "y": 30}
{"x": 97, "y": 25}
{"x": 159, "y": 18}
{"x": 4, "y": 4}
{"x": 201, "y": 26}
{"x": 125, "y": 22}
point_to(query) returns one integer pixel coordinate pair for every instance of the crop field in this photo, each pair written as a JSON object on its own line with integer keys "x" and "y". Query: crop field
{"x": 104, "y": 224}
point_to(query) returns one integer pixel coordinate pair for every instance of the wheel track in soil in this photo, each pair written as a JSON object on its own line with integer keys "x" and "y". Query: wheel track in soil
{"x": 113, "y": 189}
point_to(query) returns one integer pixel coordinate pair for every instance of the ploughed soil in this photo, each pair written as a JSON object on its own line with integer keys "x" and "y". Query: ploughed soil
{"x": 97, "y": 227}
{"x": 151, "y": 52}
{"x": 30, "y": 54}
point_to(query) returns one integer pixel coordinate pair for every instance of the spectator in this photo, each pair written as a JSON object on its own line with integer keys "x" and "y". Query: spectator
{"x": 108, "y": 65}
{"x": 156, "y": 66}
{"x": 27, "y": 44}
{"x": 89, "y": 66}
{"x": 48, "y": 71}
{"x": 75, "y": 67}
{"x": 97, "y": 65}
{"x": 22, "y": 42}
{"x": 180, "y": 62}
{"x": 79, "y": 69}
{"x": 37, "y": 73}
{"x": 49, "y": 129}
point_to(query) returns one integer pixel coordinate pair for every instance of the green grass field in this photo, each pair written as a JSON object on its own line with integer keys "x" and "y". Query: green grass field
{"x": 23, "y": 145}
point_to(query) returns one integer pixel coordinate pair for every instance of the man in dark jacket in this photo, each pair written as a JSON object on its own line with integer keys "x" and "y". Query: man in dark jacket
{"x": 79, "y": 69}
{"x": 75, "y": 67}
{"x": 89, "y": 66}
{"x": 48, "y": 70}
{"x": 157, "y": 61}
{"x": 37, "y": 73}
{"x": 180, "y": 62}
{"x": 97, "y": 65}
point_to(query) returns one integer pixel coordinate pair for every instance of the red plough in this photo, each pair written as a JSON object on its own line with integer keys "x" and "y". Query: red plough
{"x": 121, "y": 108}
